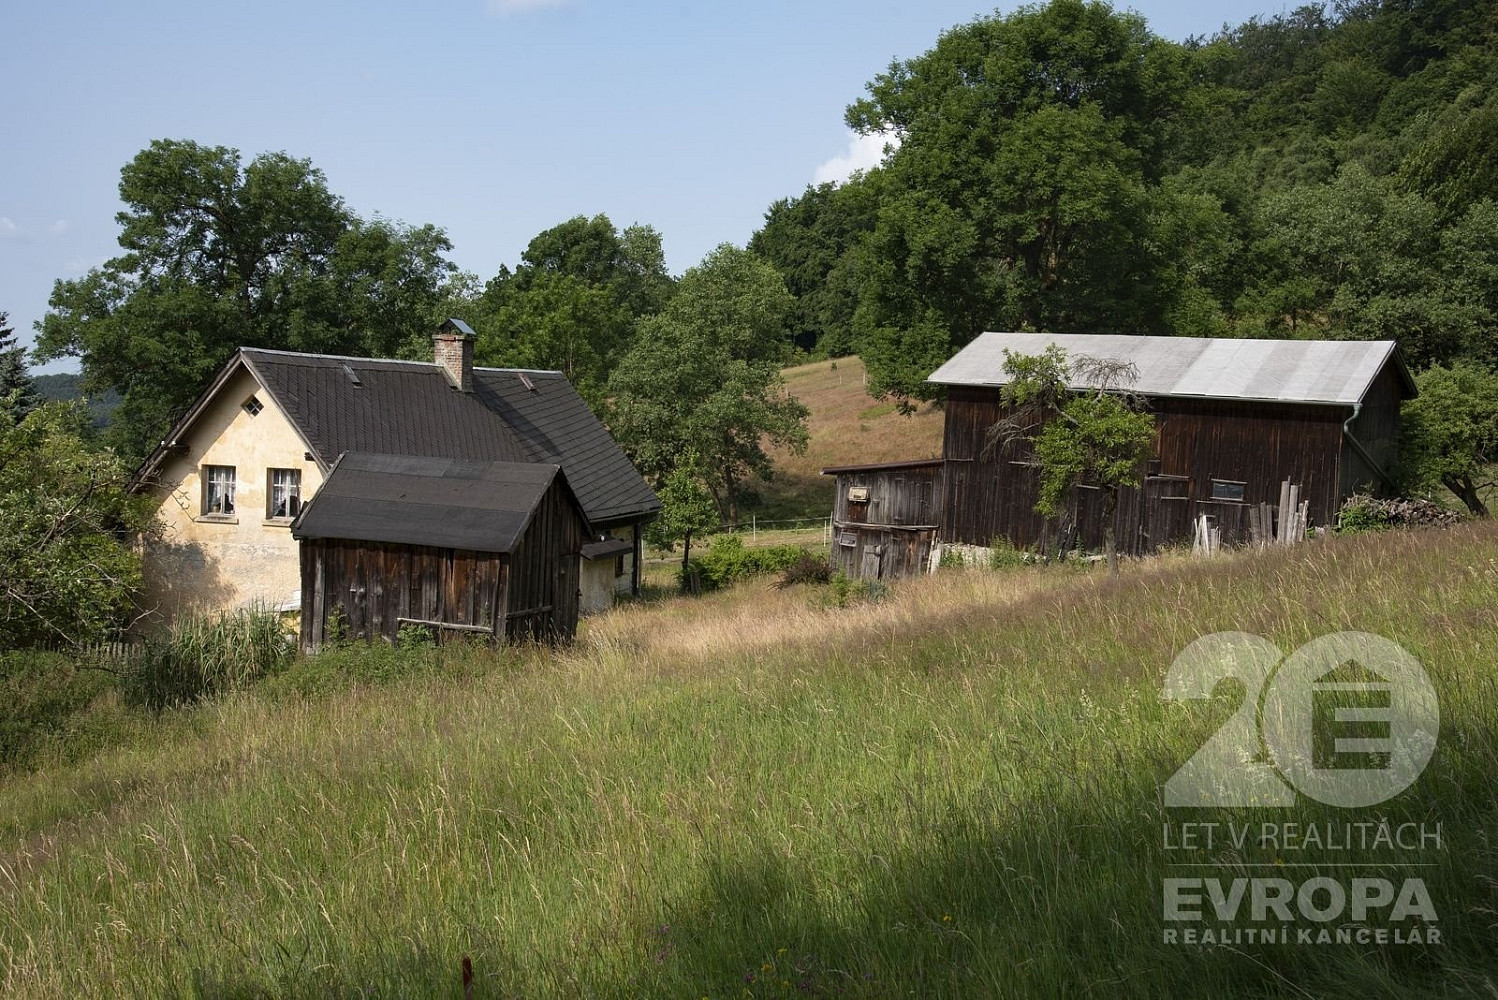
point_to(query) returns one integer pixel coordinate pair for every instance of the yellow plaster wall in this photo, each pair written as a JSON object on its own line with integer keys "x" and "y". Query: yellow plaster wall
{"x": 200, "y": 564}
{"x": 598, "y": 583}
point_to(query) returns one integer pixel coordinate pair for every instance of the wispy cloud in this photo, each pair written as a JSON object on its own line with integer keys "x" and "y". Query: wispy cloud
{"x": 58, "y": 228}
{"x": 520, "y": 6}
{"x": 7, "y": 227}
{"x": 863, "y": 152}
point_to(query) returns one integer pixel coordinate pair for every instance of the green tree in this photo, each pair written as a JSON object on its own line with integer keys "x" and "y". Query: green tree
{"x": 219, "y": 254}
{"x": 703, "y": 378}
{"x": 1097, "y": 436}
{"x": 1019, "y": 195}
{"x": 1449, "y": 435}
{"x": 810, "y": 240}
{"x": 68, "y": 569}
{"x": 574, "y": 301}
{"x": 687, "y": 509}
{"x": 15, "y": 381}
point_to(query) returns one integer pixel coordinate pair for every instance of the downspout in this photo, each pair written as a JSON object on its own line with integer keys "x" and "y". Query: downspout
{"x": 1357, "y": 446}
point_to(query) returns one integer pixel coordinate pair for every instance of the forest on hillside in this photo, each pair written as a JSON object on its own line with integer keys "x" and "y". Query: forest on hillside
{"x": 1325, "y": 173}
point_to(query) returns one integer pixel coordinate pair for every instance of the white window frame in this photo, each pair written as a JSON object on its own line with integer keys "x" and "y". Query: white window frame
{"x": 277, "y": 483}
{"x": 219, "y": 485}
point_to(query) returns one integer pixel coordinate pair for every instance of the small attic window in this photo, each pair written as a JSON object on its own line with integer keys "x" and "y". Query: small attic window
{"x": 252, "y": 406}
{"x": 353, "y": 376}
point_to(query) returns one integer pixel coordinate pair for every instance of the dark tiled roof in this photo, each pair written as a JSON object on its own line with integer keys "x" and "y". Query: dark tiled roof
{"x": 557, "y": 426}
{"x": 410, "y": 408}
{"x": 415, "y": 500}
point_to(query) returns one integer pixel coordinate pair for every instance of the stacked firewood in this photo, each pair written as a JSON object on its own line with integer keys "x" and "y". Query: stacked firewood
{"x": 1402, "y": 512}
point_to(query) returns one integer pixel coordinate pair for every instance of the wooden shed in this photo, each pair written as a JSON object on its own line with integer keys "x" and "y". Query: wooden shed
{"x": 885, "y": 517}
{"x": 1234, "y": 420}
{"x": 453, "y": 546}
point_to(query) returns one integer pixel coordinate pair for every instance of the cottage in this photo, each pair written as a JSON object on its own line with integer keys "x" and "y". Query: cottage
{"x": 1234, "y": 420}
{"x": 445, "y": 545}
{"x": 234, "y": 472}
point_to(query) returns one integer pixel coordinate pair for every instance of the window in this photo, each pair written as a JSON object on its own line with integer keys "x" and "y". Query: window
{"x": 1226, "y": 489}
{"x": 252, "y": 406}
{"x": 284, "y": 498}
{"x": 218, "y": 490}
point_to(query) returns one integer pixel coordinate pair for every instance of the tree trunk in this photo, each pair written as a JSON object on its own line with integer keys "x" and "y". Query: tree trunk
{"x": 1466, "y": 492}
{"x": 686, "y": 571}
{"x": 1110, "y": 543}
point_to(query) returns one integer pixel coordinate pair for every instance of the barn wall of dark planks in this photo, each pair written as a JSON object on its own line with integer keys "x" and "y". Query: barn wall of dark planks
{"x": 1215, "y": 457}
{"x": 373, "y": 589}
{"x": 884, "y": 518}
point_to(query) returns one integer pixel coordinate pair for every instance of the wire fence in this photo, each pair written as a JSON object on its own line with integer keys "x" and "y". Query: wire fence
{"x": 754, "y": 526}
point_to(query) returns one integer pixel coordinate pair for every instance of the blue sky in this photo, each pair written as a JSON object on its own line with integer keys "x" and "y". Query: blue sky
{"x": 493, "y": 119}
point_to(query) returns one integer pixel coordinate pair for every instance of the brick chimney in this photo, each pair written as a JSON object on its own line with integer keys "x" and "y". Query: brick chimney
{"x": 452, "y": 349}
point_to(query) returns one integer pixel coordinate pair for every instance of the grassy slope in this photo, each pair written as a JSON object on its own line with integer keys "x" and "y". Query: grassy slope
{"x": 847, "y": 427}
{"x": 955, "y": 792}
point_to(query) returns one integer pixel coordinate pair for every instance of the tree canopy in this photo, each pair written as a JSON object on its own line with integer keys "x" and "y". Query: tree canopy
{"x": 16, "y": 384}
{"x": 68, "y": 568}
{"x": 218, "y": 254}
{"x": 574, "y": 301}
{"x": 1313, "y": 174}
{"x": 703, "y": 378}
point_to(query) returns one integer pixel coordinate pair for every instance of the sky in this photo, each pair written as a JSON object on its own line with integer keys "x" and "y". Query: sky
{"x": 493, "y": 119}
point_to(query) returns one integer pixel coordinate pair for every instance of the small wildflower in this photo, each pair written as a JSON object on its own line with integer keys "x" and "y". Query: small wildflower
{"x": 766, "y": 967}
{"x": 780, "y": 952}
{"x": 946, "y": 918}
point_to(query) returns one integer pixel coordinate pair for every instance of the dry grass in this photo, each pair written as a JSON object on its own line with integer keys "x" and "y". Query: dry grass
{"x": 954, "y": 793}
{"x": 847, "y": 427}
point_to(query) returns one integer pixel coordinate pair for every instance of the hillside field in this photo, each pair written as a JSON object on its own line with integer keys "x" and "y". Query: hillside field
{"x": 955, "y": 791}
{"x": 847, "y": 426}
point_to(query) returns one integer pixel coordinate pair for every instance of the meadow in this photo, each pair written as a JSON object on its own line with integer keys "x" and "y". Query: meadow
{"x": 953, "y": 791}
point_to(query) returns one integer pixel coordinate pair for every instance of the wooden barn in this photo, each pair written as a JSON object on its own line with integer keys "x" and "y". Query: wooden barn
{"x": 452, "y": 546}
{"x": 884, "y": 518}
{"x": 1235, "y": 419}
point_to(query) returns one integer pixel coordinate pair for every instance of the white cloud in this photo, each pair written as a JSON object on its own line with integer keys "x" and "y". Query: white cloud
{"x": 58, "y": 228}
{"x": 7, "y": 227}
{"x": 520, "y": 6}
{"x": 863, "y": 152}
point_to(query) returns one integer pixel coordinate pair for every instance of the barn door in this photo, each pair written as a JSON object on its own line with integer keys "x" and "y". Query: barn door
{"x": 873, "y": 563}
{"x": 1167, "y": 511}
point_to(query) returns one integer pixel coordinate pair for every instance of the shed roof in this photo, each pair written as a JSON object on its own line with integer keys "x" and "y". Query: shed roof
{"x": 1292, "y": 371}
{"x": 416, "y": 500}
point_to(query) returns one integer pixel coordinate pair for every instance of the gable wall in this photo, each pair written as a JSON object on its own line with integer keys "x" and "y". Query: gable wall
{"x": 203, "y": 564}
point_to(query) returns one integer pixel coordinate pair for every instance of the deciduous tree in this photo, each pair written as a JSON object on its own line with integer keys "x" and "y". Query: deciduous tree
{"x": 1450, "y": 433}
{"x": 703, "y": 377}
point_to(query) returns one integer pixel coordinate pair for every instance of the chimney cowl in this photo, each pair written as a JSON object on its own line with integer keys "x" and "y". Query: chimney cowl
{"x": 452, "y": 350}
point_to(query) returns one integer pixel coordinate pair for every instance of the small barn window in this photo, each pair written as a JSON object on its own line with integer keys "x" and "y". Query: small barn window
{"x": 858, "y": 494}
{"x": 284, "y": 498}
{"x": 218, "y": 489}
{"x": 252, "y": 406}
{"x": 1227, "y": 489}
{"x": 847, "y": 539}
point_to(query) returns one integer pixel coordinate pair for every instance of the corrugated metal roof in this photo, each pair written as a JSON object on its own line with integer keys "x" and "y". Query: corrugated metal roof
{"x": 416, "y": 500}
{"x": 410, "y": 408}
{"x": 1292, "y": 371}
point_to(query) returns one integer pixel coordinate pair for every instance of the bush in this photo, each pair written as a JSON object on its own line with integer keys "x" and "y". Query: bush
{"x": 729, "y": 561}
{"x": 1003, "y": 555}
{"x": 845, "y": 592}
{"x": 199, "y": 657}
{"x": 808, "y": 568}
{"x": 44, "y": 698}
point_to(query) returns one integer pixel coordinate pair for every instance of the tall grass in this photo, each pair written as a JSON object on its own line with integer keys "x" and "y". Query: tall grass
{"x": 953, "y": 792}
{"x": 198, "y": 657}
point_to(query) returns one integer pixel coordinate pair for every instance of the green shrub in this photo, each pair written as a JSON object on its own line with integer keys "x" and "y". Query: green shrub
{"x": 1361, "y": 513}
{"x": 951, "y": 558}
{"x": 1003, "y": 555}
{"x": 199, "y": 657}
{"x": 44, "y": 698}
{"x": 844, "y": 592}
{"x": 728, "y": 561}
{"x": 809, "y": 567}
